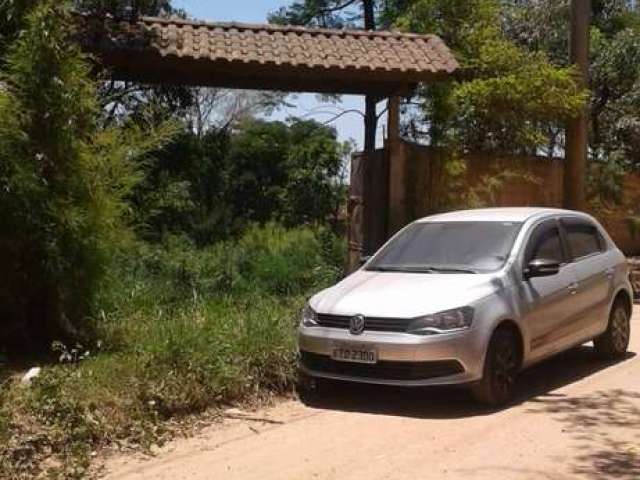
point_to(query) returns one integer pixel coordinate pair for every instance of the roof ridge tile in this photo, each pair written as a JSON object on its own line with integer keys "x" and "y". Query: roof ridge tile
{"x": 276, "y": 27}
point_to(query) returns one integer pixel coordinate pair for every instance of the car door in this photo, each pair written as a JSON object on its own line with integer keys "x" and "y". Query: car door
{"x": 547, "y": 300}
{"x": 594, "y": 275}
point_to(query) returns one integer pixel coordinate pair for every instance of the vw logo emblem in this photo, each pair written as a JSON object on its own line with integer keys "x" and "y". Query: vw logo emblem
{"x": 356, "y": 324}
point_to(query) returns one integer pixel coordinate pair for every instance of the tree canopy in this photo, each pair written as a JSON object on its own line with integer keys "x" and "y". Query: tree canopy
{"x": 614, "y": 139}
{"x": 506, "y": 98}
{"x": 213, "y": 186}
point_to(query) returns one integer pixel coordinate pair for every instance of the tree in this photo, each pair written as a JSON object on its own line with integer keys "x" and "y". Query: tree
{"x": 319, "y": 13}
{"x": 502, "y": 87}
{"x": 365, "y": 14}
{"x": 119, "y": 100}
{"x": 614, "y": 140}
{"x": 12, "y": 19}
{"x": 63, "y": 182}
{"x": 220, "y": 109}
{"x": 505, "y": 97}
{"x": 341, "y": 13}
{"x": 13, "y": 13}
{"x": 126, "y": 8}
{"x": 288, "y": 173}
{"x": 213, "y": 185}
{"x": 314, "y": 191}
{"x": 183, "y": 191}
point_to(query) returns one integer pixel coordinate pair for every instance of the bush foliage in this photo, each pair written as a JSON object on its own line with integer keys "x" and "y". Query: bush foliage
{"x": 506, "y": 97}
{"x": 212, "y": 186}
{"x": 63, "y": 182}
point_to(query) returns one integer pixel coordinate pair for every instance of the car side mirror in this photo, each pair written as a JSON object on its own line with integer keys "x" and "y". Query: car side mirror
{"x": 541, "y": 267}
{"x": 364, "y": 259}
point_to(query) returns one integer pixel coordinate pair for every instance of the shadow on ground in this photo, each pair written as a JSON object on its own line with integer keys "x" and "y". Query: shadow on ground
{"x": 450, "y": 402}
{"x": 605, "y": 426}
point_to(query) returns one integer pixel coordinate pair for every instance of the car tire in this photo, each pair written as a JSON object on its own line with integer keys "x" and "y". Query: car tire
{"x": 614, "y": 342}
{"x": 501, "y": 367}
{"x": 313, "y": 388}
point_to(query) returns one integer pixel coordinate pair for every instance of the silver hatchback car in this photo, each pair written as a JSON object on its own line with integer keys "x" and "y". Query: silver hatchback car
{"x": 472, "y": 298}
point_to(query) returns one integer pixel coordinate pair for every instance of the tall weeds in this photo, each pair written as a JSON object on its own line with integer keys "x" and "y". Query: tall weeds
{"x": 178, "y": 330}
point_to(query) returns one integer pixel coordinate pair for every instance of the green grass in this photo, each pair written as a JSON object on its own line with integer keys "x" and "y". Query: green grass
{"x": 178, "y": 331}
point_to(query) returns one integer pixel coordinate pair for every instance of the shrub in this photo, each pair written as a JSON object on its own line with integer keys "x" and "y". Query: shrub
{"x": 63, "y": 183}
{"x": 265, "y": 260}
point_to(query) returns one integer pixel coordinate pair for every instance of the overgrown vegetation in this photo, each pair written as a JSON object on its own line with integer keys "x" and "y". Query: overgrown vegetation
{"x": 179, "y": 330}
{"x": 72, "y": 188}
{"x": 141, "y": 262}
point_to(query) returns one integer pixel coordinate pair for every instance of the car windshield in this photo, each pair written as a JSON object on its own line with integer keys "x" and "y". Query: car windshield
{"x": 448, "y": 247}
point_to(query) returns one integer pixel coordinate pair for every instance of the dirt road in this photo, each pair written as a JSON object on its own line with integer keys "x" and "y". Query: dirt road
{"x": 575, "y": 418}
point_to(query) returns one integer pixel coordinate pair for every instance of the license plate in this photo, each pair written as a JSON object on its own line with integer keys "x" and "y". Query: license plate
{"x": 353, "y": 354}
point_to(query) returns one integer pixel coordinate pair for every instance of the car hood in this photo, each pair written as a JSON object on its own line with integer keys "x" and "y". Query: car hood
{"x": 403, "y": 295}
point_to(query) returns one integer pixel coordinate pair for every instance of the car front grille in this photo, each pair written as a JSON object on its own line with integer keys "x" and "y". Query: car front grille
{"x": 376, "y": 324}
{"x": 383, "y": 370}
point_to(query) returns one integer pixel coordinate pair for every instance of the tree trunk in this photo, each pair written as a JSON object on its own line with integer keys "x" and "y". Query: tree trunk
{"x": 370, "y": 123}
{"x": 370, "y": 114}
{"x": 369, "y": 15}
{"x": 576, "y": 152}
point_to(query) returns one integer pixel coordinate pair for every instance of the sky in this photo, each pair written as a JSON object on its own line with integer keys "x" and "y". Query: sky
{"x": 349, "y": 126}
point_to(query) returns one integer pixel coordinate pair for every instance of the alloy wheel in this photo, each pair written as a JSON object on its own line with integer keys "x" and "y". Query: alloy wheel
{"x": 620, "y": 329}
{"x": 505, "y": 368}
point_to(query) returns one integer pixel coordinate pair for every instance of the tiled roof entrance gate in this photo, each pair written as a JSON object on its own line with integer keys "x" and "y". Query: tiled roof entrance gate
{"x": 266, "y": 57}
{"x": 292, "y": 59}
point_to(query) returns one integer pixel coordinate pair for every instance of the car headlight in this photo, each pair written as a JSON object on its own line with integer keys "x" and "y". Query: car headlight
{"x": 309, "y": 316}
{"x": 441, "y": 322}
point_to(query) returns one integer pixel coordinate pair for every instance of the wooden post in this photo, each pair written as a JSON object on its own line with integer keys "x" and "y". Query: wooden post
{"x": 576, "y": 150}
{"x": 393, "y": 126}
{"x": 397, "y": 215}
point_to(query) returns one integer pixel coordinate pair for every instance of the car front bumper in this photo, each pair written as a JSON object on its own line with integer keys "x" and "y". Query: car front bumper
{"x": 402, "y": 359}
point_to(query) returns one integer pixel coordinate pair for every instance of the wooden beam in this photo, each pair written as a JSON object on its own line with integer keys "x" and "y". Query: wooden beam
{"x": 149, "y": 68}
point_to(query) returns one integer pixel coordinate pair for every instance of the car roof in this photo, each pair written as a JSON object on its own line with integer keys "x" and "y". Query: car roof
{"x": 506, "y": 214}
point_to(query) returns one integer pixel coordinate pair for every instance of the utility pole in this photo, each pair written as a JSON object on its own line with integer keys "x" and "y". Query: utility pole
{"x": 576, "y": 149}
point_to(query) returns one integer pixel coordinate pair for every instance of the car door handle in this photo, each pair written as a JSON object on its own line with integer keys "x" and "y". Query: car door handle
{"x": 573, "y": 288}
{"x": 609, "y": 273}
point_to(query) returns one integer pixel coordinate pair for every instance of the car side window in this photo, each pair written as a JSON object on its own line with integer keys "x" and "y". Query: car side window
{"x": 545, "y": 243}
{"x": 583, "y": 238}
